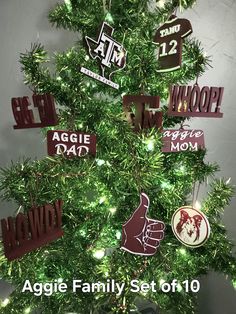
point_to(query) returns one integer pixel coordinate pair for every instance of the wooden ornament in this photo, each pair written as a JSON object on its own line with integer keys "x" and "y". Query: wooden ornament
{"x": 141, "y": 235}
{"x": 190, "y": 226}
{"x": 193, "y": 101}
{"x": 169, "y": 37}
{"x": 147, "y": 112}
{"x": 110, "y": 55}
{"x": 24, "y": 116}
{"x": 182, "y": 140}
{"x": 30, "y": 231}
{"x": 70, "y": 144}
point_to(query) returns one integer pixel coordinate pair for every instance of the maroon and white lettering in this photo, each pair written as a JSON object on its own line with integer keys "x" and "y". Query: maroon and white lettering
{"x": 71, "y": 144}
{"x": 24, "y": 116}
{"x": 30, "y": 231}
{"x": 182, "y": 140}
{"x": 146, "y": 113}
{"x": 110, "y": 54}
{"x": 193, "y": 101}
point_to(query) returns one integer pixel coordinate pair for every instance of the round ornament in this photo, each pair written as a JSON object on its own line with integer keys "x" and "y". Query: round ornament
{"x": 190, "y": 226}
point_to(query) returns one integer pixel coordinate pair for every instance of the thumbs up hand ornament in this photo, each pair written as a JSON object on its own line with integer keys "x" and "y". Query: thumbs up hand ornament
{"x": 141, "y": 235}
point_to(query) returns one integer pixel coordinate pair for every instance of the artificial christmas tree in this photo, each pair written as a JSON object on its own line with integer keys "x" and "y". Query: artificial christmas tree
{"x": 101, "y": 193}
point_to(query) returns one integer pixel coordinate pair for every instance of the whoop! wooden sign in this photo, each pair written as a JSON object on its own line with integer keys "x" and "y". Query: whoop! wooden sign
{"x": 193, "y": 101}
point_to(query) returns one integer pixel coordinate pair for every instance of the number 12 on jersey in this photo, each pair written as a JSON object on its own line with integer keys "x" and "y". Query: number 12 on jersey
{"x": 169, "y": 38}
{"x": 164, "y": 47}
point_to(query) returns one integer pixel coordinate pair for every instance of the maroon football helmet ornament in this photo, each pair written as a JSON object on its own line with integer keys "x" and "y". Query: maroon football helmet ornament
{"x": 141, "y": 235}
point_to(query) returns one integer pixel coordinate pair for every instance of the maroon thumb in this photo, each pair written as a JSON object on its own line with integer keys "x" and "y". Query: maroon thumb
{"x": 141, "y": 211}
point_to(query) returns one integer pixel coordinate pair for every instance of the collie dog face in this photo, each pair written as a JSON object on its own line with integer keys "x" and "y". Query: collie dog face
{"x": 189, "y": 227}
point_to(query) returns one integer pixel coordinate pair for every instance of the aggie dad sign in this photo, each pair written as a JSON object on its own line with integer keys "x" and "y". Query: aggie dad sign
{"x": 71, "y": 144}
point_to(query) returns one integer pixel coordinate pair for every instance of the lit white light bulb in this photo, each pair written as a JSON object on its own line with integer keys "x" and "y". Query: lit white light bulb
{"x": 165, "y": 185}
{"x": 5, "y": 302}
{"x": 102, "y": 200}
{"x": 179, "y": 287}
{"x": 234, "y": 284}
{"x": 182, "y": 169}
{"x": 27, "y": 311}
{"x": 109, "y": 18}
{"x": 161, "y": 4}
{"x": 99, "y": 254}
{"x": 161, "y": 281}
{"x": 100, "y": 162}
{"x": 67, "y": 2}
{"x": 112, "y": 210}
{"x": 182, "y": 251}
{"x": 150, "y": 145}
{"x": 118, "y": 235}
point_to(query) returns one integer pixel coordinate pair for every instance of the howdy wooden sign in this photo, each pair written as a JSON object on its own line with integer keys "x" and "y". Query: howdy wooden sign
{"x": 24, "y": 116}
{"x": 30, "y": 231}
{"x": 182, "y": 140}
{"x": 147, "y": 112}
{"x": 71, "y": 144}
{"x": 191, "y": 101}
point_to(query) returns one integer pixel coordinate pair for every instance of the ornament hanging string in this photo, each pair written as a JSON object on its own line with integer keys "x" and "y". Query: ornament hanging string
{"x": 180, "y": 6}
{"x": 197, "y": 78}
{"x": 104, "y": 6}
{"x": 182, "y": 126}
{"x": 33, "y": 89}
{"x": 194, "y": 200}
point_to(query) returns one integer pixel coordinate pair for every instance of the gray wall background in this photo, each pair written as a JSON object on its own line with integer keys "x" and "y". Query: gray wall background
{"x": 214, "y": 24}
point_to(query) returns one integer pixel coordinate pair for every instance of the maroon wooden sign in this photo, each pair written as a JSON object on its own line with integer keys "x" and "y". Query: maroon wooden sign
{"x": 71, "y": 144}
{"x": 147, "y": 113}
{"x": 110, "y": 54}
{"x": 193, "y": 101}
{"x": 169, "y": 38}
{"x": 30, "y": 231}
{"x": 24, "y": 116}
{"x": 182, "y": 140}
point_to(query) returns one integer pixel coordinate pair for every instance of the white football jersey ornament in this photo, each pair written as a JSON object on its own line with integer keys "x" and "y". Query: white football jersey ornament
{"x": 190, "y": 226}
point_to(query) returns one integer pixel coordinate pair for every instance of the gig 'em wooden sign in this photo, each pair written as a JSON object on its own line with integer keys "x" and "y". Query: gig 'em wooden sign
{"x": 146, "y": 111}
{"x": 30, "y": 231}
{"x": 71, "y": 144}
{"x": 24, "y": 116}
{"x": 193, "y": 101}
